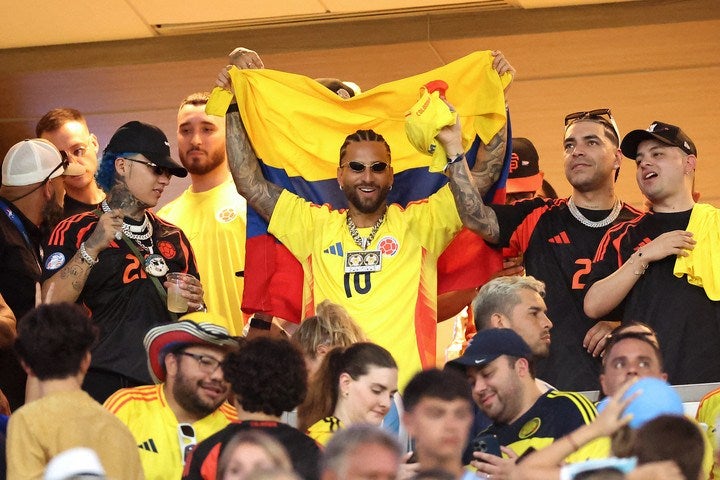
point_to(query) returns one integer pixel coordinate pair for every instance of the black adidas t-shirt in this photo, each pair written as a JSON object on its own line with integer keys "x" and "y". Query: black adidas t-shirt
{"x": 558, "y": 250}
{"x": 122, "y": 299}
{"x": 687, "y": 322}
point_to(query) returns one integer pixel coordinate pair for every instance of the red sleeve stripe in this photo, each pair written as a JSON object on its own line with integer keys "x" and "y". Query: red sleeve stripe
{"x": 614, "y": 234}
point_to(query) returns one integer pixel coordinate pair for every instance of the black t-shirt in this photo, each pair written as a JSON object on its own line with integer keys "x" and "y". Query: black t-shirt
{"x": 558, "y": 250}
{"x": 303, "y": 451}
{"x": 72, "y": 206}
{"x": 122, "y": 298}
{"x": 687, "y": 322}
{"x": 19, "y": 273}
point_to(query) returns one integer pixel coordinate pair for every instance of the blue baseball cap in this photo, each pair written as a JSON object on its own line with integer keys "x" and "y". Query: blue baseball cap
{"x": 487, "y": 345}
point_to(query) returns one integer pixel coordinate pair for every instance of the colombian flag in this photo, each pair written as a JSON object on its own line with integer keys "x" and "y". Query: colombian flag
{"x": 296, "y": 127}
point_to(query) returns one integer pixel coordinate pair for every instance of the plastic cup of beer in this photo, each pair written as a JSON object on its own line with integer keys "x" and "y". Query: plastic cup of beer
{"x": 176, "y": 303}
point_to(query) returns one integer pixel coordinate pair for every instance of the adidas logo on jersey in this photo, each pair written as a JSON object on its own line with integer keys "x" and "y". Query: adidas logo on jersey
{"x": 335, "y": 249}
{"x": 561, "y": 238}
{"x": 148, "y": 445}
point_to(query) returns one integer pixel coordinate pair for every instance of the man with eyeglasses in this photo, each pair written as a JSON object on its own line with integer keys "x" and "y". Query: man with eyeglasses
{"x": 67, "y": 129}
{"x": 113, "y": 260}
{"x": 377, "y": 260}
{"x": 661, "y": 268}
{"x": 558, "y": 238}
{"x": 31, "y": 198}
{"x": 187, "y": 403}
{"x": 267, "y": 377}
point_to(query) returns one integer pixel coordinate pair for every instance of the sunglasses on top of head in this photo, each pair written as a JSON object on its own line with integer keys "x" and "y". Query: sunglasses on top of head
{"x": 602, "y": 114}
{"x": 64, "y": 162}
{"x": 359, "y": 167}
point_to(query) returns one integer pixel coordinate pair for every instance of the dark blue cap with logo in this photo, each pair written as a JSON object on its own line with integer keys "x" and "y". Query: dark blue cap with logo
{"x": 487, "y": 345}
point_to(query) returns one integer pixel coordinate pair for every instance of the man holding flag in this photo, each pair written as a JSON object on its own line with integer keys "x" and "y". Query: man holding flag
{"x": 377, "y": 260}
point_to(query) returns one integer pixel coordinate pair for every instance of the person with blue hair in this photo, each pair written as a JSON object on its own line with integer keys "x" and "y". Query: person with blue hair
{"x": 114, "y": 260}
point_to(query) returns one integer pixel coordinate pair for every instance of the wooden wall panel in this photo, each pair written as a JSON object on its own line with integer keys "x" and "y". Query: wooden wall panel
{"x": 646, "y": 60}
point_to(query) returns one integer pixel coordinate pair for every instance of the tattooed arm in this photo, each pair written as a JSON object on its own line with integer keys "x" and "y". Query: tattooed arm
{"x": 261, "y": 194}
{"x": 468, "y": 187}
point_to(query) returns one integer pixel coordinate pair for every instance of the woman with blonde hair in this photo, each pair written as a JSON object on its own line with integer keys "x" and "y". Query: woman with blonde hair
{"x": 331, "y": 327}
{"x": 250, "y": 451}
{"x": 353, "y": 385}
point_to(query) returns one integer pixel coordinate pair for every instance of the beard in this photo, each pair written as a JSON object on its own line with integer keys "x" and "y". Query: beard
{"x": 52, "y": 214}
{"x": 367, "y": 206}
{"x": 202, "y": 166}
{"x": 185, "y": 393}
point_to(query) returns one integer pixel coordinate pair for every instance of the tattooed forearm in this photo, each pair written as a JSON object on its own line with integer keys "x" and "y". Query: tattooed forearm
{"x": 67, "y": 284}
{"x": 489, "y": 161}
{"x": 249, "y": 181}
{"x": 475, "y": 215}
{"x": 76, "y": 273}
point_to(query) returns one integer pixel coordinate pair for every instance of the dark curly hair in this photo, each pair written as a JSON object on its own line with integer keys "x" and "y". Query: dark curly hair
{"x": 267, "y": 375}
{"x": 53, "y": 339}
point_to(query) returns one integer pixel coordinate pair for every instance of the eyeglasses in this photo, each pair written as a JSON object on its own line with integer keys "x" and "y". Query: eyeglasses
{"x": 80, "y": 149}
{"x": 207, "y": 364}
{"x": 602, "y": 114}
{"x": 64, "y": 162}
{"x": 186, "y": 437}
{"x": 359, "y": 167}
{"x": 157, "y": 169}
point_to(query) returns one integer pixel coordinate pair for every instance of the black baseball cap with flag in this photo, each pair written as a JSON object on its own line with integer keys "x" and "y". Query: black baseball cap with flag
{"x": 140, "y": 137}
{"x": 662, "y": 132}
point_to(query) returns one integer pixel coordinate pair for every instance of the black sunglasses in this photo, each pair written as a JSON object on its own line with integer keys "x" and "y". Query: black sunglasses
{"x": 186, "y": 436}
{"x": 359, "y": 167}
{"x": 602, "y": 114}
{"x": 157, "y": 169}
{"x": 64, "y": 162}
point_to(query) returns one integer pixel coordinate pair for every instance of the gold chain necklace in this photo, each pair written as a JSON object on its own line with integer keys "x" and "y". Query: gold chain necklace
{"x": 363, "y": 242}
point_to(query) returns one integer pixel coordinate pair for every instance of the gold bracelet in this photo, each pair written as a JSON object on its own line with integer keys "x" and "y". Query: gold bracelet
{"x": 644, "y": 266}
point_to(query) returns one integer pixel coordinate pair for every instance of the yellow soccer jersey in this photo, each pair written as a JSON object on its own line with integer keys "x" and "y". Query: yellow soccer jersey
{"x": 396, "y": 306}
{"x": 214, "y": 222}
{"x": 153, "y": 424}
{"x": 708, "y": 413}
{"x": 323, "y": 430}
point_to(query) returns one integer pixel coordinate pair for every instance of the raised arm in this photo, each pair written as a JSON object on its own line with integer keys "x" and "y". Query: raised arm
{"x": 249, "y": 181}
{"x": 475, "y": 215}
{"x": 261, "y": 194}
{"x": 606, "y": 294}
{"x": 473, "y": 212}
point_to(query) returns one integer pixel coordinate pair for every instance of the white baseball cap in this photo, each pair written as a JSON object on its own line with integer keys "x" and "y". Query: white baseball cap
{"x": 80, "y": 461}
{"x": 31, "y": 161}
